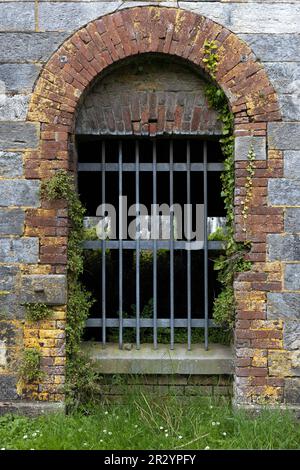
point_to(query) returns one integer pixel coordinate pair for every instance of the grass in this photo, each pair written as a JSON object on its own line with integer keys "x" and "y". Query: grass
{"x": 146, "y": 424}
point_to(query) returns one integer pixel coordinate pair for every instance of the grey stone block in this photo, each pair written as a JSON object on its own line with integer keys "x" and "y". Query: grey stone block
{"x": 285, "y": 76}
{"x": 31, "y": 408}
{"x": 292, "y": 391}
{"x": 16, "y": 16}
{"x": 290, "y": 106}
{"x": 14, "y": 108}
{"x": 283, "y": 305}
{"x": 243, "y": 144}
{"x": 292, "y": 164}
{"x": 10, "y": 334}
{"x": 8, "y": 387}
{"x": 284, "y": 192}
{"x": 64, "y": 16}
{"x": 19, "y": 193}
{"x": 284, "y": 247}
{"x": 291, "y": 335}
{"x": 48, "y": 289}
{"x": 19, "y": 250}
{"x": 244, "y": 18}
{"x": 18, "y": 135}
{"x": 19, "y": 77}
{"x": 10, "y": 308}
{"x": 292, "y": 220}
{"x": 284, "y": 135}
{"x": 274, "y": 47}
{"x": 24, "y": 47}
{"x": 12, "y": 221}
{"x": 11, "y": 164}
{"x": 292, "y": 277}
{"x": 8, "y": 277}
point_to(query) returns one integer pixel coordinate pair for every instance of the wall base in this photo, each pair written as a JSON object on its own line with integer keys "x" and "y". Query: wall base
{"x": 31, "y": 408}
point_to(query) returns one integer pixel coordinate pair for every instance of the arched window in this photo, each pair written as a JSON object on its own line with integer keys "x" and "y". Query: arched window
{"x": 149, "y": 166}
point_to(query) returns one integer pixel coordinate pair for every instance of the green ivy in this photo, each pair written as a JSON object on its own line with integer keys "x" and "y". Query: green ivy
{"x": 62, "y": 186}
{"x": 233, "y": 260}
{"x": 250, "y": 173}
{"x": 37, "y": 311}
{"x": 29, "y": 369}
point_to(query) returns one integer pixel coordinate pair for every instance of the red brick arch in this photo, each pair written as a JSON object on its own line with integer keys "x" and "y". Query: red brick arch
{"x": 178, "y": 33}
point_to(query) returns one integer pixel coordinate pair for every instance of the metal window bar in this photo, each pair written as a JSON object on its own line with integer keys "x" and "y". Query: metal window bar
{"x": 155, "y": 228}
{"x": 171, "y": 246}
{"x": 103, "y": 252}
{"x": 120, "y": 248}
{"x": 137, "y": 234}
{"x": 205, "y": 247}
{"x": 185, "y": 320}
{"x": 189, "y": 286}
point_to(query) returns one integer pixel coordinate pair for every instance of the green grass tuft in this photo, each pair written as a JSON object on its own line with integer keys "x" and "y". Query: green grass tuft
{"x": 145, "y": 423}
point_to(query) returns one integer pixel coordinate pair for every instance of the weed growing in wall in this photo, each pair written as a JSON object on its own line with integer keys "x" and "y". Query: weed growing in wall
{"x": 232, "y": 261}
{"x": 37, "y": 311}
{"x": 30, "y": 366}
{"x": 62, "y": 186}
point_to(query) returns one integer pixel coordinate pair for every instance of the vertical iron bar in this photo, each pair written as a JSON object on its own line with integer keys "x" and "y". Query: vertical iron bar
{"x": 156, "y": 231}
{"x": 103, "y": 253}
{"x": 120, "y": 248}
{"x": 171, "y": 248}
{"x": 205, "y": 245}
{"x": 137, "y": 234}
{"x": 189, "y": 221}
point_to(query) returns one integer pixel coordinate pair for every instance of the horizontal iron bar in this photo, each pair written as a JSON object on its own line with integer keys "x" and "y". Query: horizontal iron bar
{"x": 148, "y": 322}
{"x": 148, "y": 245}
{"x": 149, "y": 167}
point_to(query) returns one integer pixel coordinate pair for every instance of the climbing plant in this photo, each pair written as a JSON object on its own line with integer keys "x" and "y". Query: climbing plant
{"x": 62, "y": 186}
{"x": 233, "y": 259}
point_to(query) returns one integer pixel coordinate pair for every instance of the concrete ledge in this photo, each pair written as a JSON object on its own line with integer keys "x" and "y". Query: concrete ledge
{"x": 111, "y": 360}
{"x": 31, "y": 408}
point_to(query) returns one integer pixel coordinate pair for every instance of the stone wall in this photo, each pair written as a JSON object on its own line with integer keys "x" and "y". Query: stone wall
{"x": 33, "y": 235}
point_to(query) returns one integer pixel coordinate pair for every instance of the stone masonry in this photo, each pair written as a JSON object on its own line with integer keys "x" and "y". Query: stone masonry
{"x": 50, "y": 55}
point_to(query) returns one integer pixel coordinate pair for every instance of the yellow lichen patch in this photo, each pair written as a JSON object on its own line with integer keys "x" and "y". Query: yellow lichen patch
{"x": 266, "y": 325}
{"x": 260, "y": 358}
{"x": 280, "y": 363}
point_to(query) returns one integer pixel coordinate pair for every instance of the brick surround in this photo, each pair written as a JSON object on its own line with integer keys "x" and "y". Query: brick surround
{"x": 65, "y": 80}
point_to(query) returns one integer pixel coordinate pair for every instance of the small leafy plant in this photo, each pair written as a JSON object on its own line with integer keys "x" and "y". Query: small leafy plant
{"x": 37, "y": 311}
{"x": 30, "y": 366}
